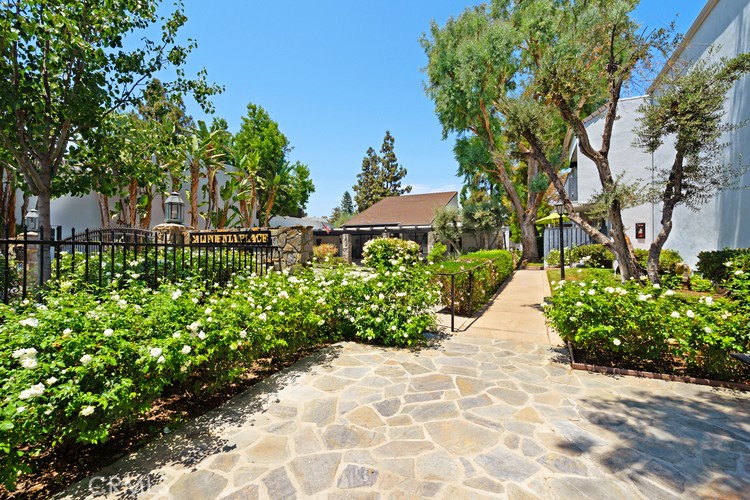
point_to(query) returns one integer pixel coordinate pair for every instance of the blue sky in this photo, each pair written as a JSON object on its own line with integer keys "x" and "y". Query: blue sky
{"x": 337, "y": 74}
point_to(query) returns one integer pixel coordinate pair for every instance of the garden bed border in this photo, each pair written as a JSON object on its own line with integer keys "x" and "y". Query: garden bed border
{"x": 608, "y": 370}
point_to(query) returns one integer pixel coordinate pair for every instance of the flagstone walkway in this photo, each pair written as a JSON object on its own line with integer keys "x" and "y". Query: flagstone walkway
{"x": 493, "y": 411}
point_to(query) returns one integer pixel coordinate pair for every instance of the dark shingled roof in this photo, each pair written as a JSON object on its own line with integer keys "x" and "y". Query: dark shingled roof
{"x": 408, "y": 210}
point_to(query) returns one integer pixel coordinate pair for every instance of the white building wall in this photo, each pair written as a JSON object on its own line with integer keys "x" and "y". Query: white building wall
{"x": 725, "y": 220}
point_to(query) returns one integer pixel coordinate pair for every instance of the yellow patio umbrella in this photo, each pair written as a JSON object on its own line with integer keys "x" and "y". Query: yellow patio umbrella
{"x": 552, "y": 218}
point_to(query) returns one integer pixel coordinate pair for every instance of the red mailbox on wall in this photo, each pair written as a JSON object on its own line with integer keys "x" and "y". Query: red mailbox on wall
{"x": 640, "y": 230}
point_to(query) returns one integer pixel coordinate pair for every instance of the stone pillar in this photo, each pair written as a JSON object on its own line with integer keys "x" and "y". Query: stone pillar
{"x": 346, "y": 247}
{"x": 431, "y": 240}
{"x": 172, "y": 233}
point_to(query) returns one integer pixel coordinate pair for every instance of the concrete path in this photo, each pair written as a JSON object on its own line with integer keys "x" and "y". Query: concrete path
{"x": 477, "y": 415}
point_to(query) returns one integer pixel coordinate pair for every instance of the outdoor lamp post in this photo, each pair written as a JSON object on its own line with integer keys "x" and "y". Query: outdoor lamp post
{"x": 175, "y": 209}
{"x": 560, "y": 211}
{"x": 32, "y": 220}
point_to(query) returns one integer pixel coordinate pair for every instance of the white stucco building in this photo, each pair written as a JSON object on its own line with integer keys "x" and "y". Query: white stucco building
{"x": 725, "y": 220}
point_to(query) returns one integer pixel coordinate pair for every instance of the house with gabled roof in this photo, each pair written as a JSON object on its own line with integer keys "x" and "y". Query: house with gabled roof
{"x": 408, "y": 217}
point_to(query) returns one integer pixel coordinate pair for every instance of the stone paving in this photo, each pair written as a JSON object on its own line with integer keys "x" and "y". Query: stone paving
{"x": 471, "y": 416}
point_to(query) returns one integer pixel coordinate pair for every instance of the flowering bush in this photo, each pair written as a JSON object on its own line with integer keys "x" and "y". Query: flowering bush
{"x": 592, "y": 256}
{"x": 487, "y": 270}
{"x": 84, "y": 361}
{"x": 389, "y": 252}
{"x": 713, "y": 264}
{"x": 325, "y": 250}
{"x": 643, "y": 326}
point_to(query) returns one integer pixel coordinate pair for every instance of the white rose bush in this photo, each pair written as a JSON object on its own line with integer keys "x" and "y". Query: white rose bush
{"x": 641, "y": 326}
{"x": 87, "y": 360}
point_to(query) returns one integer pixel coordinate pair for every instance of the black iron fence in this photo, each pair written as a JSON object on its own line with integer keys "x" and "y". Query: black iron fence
{"x": 103, "y": 256}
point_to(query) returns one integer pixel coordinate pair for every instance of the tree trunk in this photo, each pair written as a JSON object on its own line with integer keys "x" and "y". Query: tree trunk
{"x": 528, "y": 239}
{"x": 145, "y": 222}
{"x": 194, "y": 177}
{"x": 245, "y": 214}
{"x": 43, "y": 209}
{"x": 133, "y": 202}
{"x": 103, "y": 200}
{"x": 10, "y": 210}
{"x": 271, "y": 196}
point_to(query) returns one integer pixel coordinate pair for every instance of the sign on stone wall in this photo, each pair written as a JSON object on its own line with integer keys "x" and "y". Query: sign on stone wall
{"x": 242, "y": 237}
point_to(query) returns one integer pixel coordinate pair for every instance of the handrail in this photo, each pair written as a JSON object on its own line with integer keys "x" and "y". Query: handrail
{"x": 471, "y": 284}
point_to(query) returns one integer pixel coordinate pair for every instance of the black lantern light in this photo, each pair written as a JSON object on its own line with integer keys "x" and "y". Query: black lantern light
{"x": 32, "y": 220}
{"x": 175, "y": 209}
{"x": 560, "y": 208}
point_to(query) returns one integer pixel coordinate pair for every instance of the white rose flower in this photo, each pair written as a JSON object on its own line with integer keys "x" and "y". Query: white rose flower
{"x": 87, "y": 411}
{"x": 243, "y": 334}
{"x": 155, "y": 352}
{"x": 51, "y": 380}
{"x": 161, "y": 359}
{"x": 108, "y": 332}
{"x": 616, "y": 341}
{"x": 176, "y": 335}
{"x": 67, "y": 332}
{"x": 195, "y": 300}
{"x": 186, "y": 349}
{"x": 202, "y": 335}
{"x": 709, "y": 301}
{"x": 669, "y": 292}
{"x": 176, "y": 294}
{"x": 209, "y": 311}
{"x": 86, "y": 359}
{"x": 675, "y": 314}
{"x": 32, "y": 322}
{"x": 708, "y": 329}
{"x": 690, "y": 314}
{"x": 262, "y": 316}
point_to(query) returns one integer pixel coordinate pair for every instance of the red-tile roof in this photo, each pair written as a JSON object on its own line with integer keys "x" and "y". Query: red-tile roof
{"x": 408, "y": 210}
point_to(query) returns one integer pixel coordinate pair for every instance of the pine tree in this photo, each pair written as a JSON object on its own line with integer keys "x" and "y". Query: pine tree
{"x": 380, "y": 176}
{"x": 391, "y": 172}
{"x": 347, "y": 205}
{"x": 366, "y": 188}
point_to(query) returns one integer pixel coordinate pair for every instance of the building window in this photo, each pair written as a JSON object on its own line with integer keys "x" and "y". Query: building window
{"x": 571, "y": 183}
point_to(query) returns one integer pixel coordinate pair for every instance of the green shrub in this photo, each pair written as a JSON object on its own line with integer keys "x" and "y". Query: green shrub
{"x": 640, "y": 326}
{"x": 738, "y": 280}
{"x": 592, "y": 256}
{"x": 711, "y": 264}
{"x": 700, "y": 284}
{"x": 478, "y": 276}
{"x": 668, "y": 259}
{"x": 86, "y": 360}
{"x": 553, "y": 258}
{"x": 437, "y": 254}
{"x": 390, "y": 252}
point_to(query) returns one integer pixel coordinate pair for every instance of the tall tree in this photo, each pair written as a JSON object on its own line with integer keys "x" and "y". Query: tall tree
{"x": 391, "y": 173}
{"x": 347, "y": 205}
{"x": 521, "y": 76}
{"x": 687, "y": 111}
{"x": 366, "y": 191}
{"x": 380, "y": 176}
{"x": 66, "y": 68}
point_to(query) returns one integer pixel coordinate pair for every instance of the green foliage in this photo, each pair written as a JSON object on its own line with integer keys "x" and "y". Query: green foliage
{"x": 668, "y": 259}
{"x": 386, "y": 253}
{"x": 380, "y": 177}
{"x": 347, "y": 205}
{"x": 84, "y": 362}
{"x": 641, "y": 326}
{"x": 700, "y": 284}
{"x": 483, "y": 219}
{"x": 446, "y": 225}
{"x": 437, "y": 254}
{"x": 553, "y": 258}
{"x": 738, "y": 279}
{"x": 592, "y": 256}
{"x": 478, "y": 276}
{"x": 712, "y": 264}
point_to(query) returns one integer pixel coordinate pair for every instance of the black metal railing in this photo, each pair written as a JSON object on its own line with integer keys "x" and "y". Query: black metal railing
{"x": 102, "y": 256}
{"x": 470, "y": 271}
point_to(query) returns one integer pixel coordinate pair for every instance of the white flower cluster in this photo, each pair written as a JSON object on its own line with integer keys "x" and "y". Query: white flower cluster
{"x": 32, "y": 392}
{"x": 27, "y": 357}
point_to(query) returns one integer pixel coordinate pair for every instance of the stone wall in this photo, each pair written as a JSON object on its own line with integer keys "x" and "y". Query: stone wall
{"x": 294, "y": 243}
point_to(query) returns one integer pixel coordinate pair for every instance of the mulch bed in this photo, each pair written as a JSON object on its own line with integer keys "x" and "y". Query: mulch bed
{"x": 670, "y": 371}
{"x": 60, "y": 468}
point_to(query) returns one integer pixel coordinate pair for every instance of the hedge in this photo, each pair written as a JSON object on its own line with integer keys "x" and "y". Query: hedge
{"x": 485, "y": 271}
